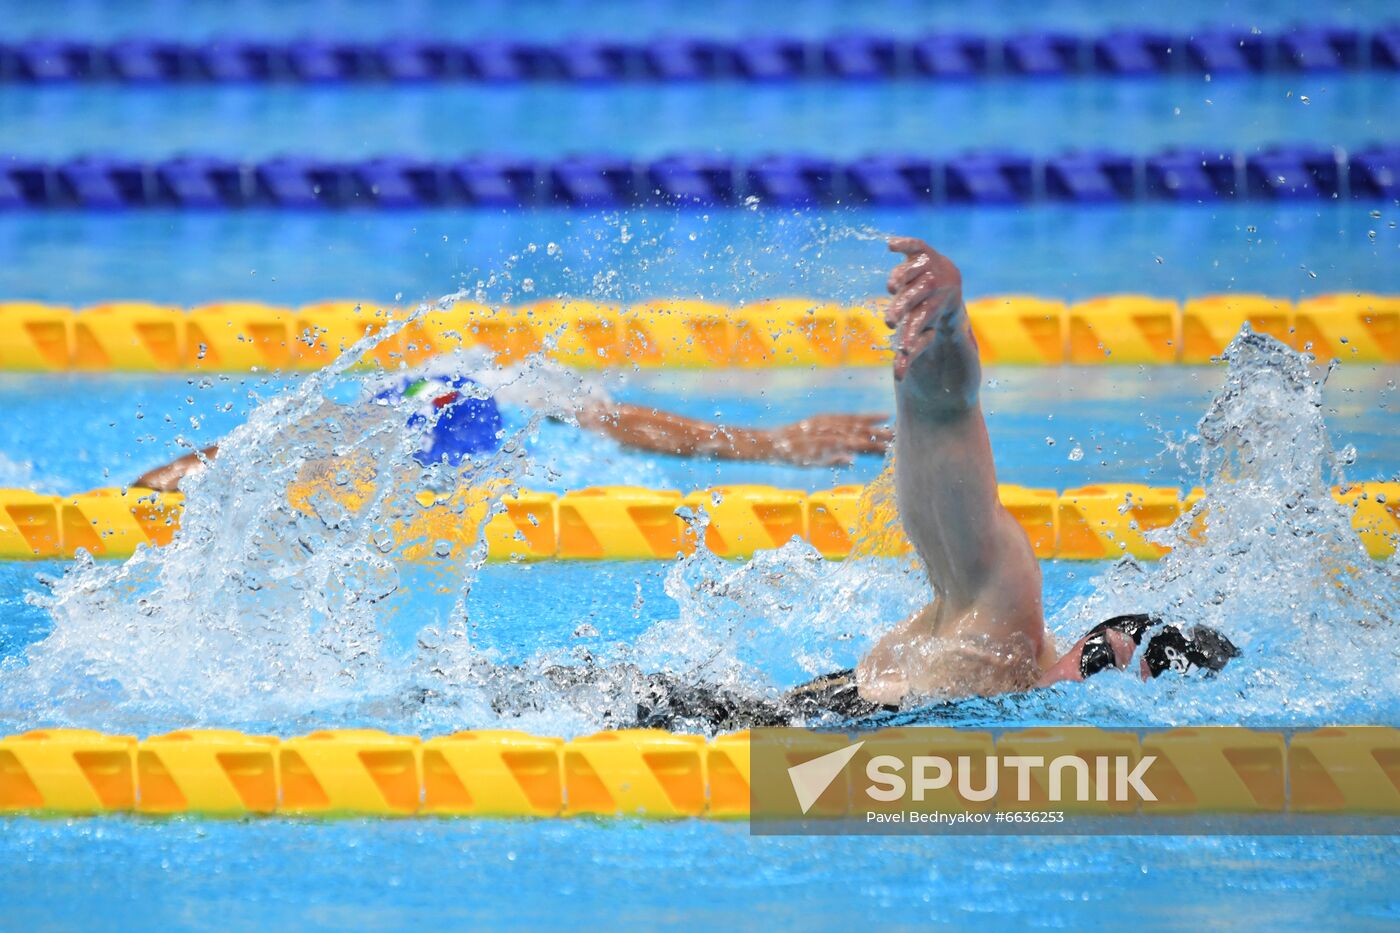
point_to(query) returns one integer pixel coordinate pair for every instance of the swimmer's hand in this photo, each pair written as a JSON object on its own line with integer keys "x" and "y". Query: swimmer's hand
{"x": 830, "y": 440}
{"x": 927, "y": 290}
{"x": 166, "y": 478}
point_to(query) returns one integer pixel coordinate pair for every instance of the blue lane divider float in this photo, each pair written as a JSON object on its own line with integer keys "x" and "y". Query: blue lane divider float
{"x": 758, "y": 58}
{"x": 593, "y": 181}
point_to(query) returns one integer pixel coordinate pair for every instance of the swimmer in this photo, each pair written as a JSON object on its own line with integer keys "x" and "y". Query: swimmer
{"x": 465, "y": 424}
{"x": 984, "y": 633}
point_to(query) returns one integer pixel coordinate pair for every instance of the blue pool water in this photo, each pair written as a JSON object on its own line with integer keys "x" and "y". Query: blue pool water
{"x": 105, "y": 647}
{"x": 724, "y": 255}
{"x": 356, "y": 875}
{"x": 1073, "y": 428}
{"x": 835, "y": 119}
{"x": 375, "y": 875}
{"x": 553, "y": 19}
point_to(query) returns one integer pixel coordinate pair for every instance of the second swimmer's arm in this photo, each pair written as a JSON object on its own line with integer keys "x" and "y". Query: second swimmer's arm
{"x": 820, "y": 440}
{"x": 167, "y": 478}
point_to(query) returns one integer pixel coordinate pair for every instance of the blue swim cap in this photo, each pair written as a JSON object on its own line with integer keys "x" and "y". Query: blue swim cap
{"x": 465, "y": 424}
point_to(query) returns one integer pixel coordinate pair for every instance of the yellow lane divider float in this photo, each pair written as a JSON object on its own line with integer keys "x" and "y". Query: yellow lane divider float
{"x": 1098, "y": 522}
{"x": 655, "y": 774}
{"x": 788, "y": 332}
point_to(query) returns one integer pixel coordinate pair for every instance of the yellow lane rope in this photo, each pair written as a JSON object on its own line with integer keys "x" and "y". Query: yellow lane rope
{"x": 785, "y": 332}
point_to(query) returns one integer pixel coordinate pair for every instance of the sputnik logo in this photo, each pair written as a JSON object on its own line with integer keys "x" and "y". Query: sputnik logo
{"x": 811, "y": 778}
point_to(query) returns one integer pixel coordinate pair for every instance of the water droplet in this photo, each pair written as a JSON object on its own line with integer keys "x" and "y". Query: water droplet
{"x": 1076, "y": 453}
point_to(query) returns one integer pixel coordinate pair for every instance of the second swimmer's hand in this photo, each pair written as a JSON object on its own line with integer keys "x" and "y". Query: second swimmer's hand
{"x": 830, "y": 440}
{"x": 925, "y": 286}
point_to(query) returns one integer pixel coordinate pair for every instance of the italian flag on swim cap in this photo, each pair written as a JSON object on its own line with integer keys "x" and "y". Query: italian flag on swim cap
{"x": 441, "y": 393}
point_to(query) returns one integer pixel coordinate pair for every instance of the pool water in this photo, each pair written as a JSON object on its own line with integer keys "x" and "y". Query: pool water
{"x": 727, "y": 255}
{"x": 357, "y": 875}
{"x": 373, "y": 874}
{"x": 841, "y": 120}
{"x": 557, "y": 19}
{"x": 1050, "y": 429}
{"x": 220, "y": 630}
{"x": 325, "y": 617}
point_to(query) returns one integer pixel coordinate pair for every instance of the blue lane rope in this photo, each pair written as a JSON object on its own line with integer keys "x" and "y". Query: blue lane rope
{"x": 981, "y": 178}
{"x": 766, "y": 58}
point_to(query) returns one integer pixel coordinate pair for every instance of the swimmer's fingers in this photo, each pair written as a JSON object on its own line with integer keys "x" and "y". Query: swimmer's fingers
{"x": 906, "y": 272}
{"x": 908, "y": 245}
{"x": 926, "y": 271}
{"x": 917, "y": 330}
{"x": 911, "y": 296}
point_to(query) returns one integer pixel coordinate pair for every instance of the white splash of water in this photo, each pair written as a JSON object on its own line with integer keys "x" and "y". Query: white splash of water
{"x": 273, "y": 600}
{"x": 1278, "y": 568}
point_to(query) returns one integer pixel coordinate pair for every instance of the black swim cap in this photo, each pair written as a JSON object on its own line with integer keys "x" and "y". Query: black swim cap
{"x": 1200, "y": 649}
{"x": 1170, "y": 649}
{"x": 1097, "y": 653}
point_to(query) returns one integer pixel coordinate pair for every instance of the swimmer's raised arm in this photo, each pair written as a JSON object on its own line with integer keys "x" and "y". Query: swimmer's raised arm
{"x": 944, "y": 474}
{"x": 822, "y": 440}
{"x": 983, "y": 633}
